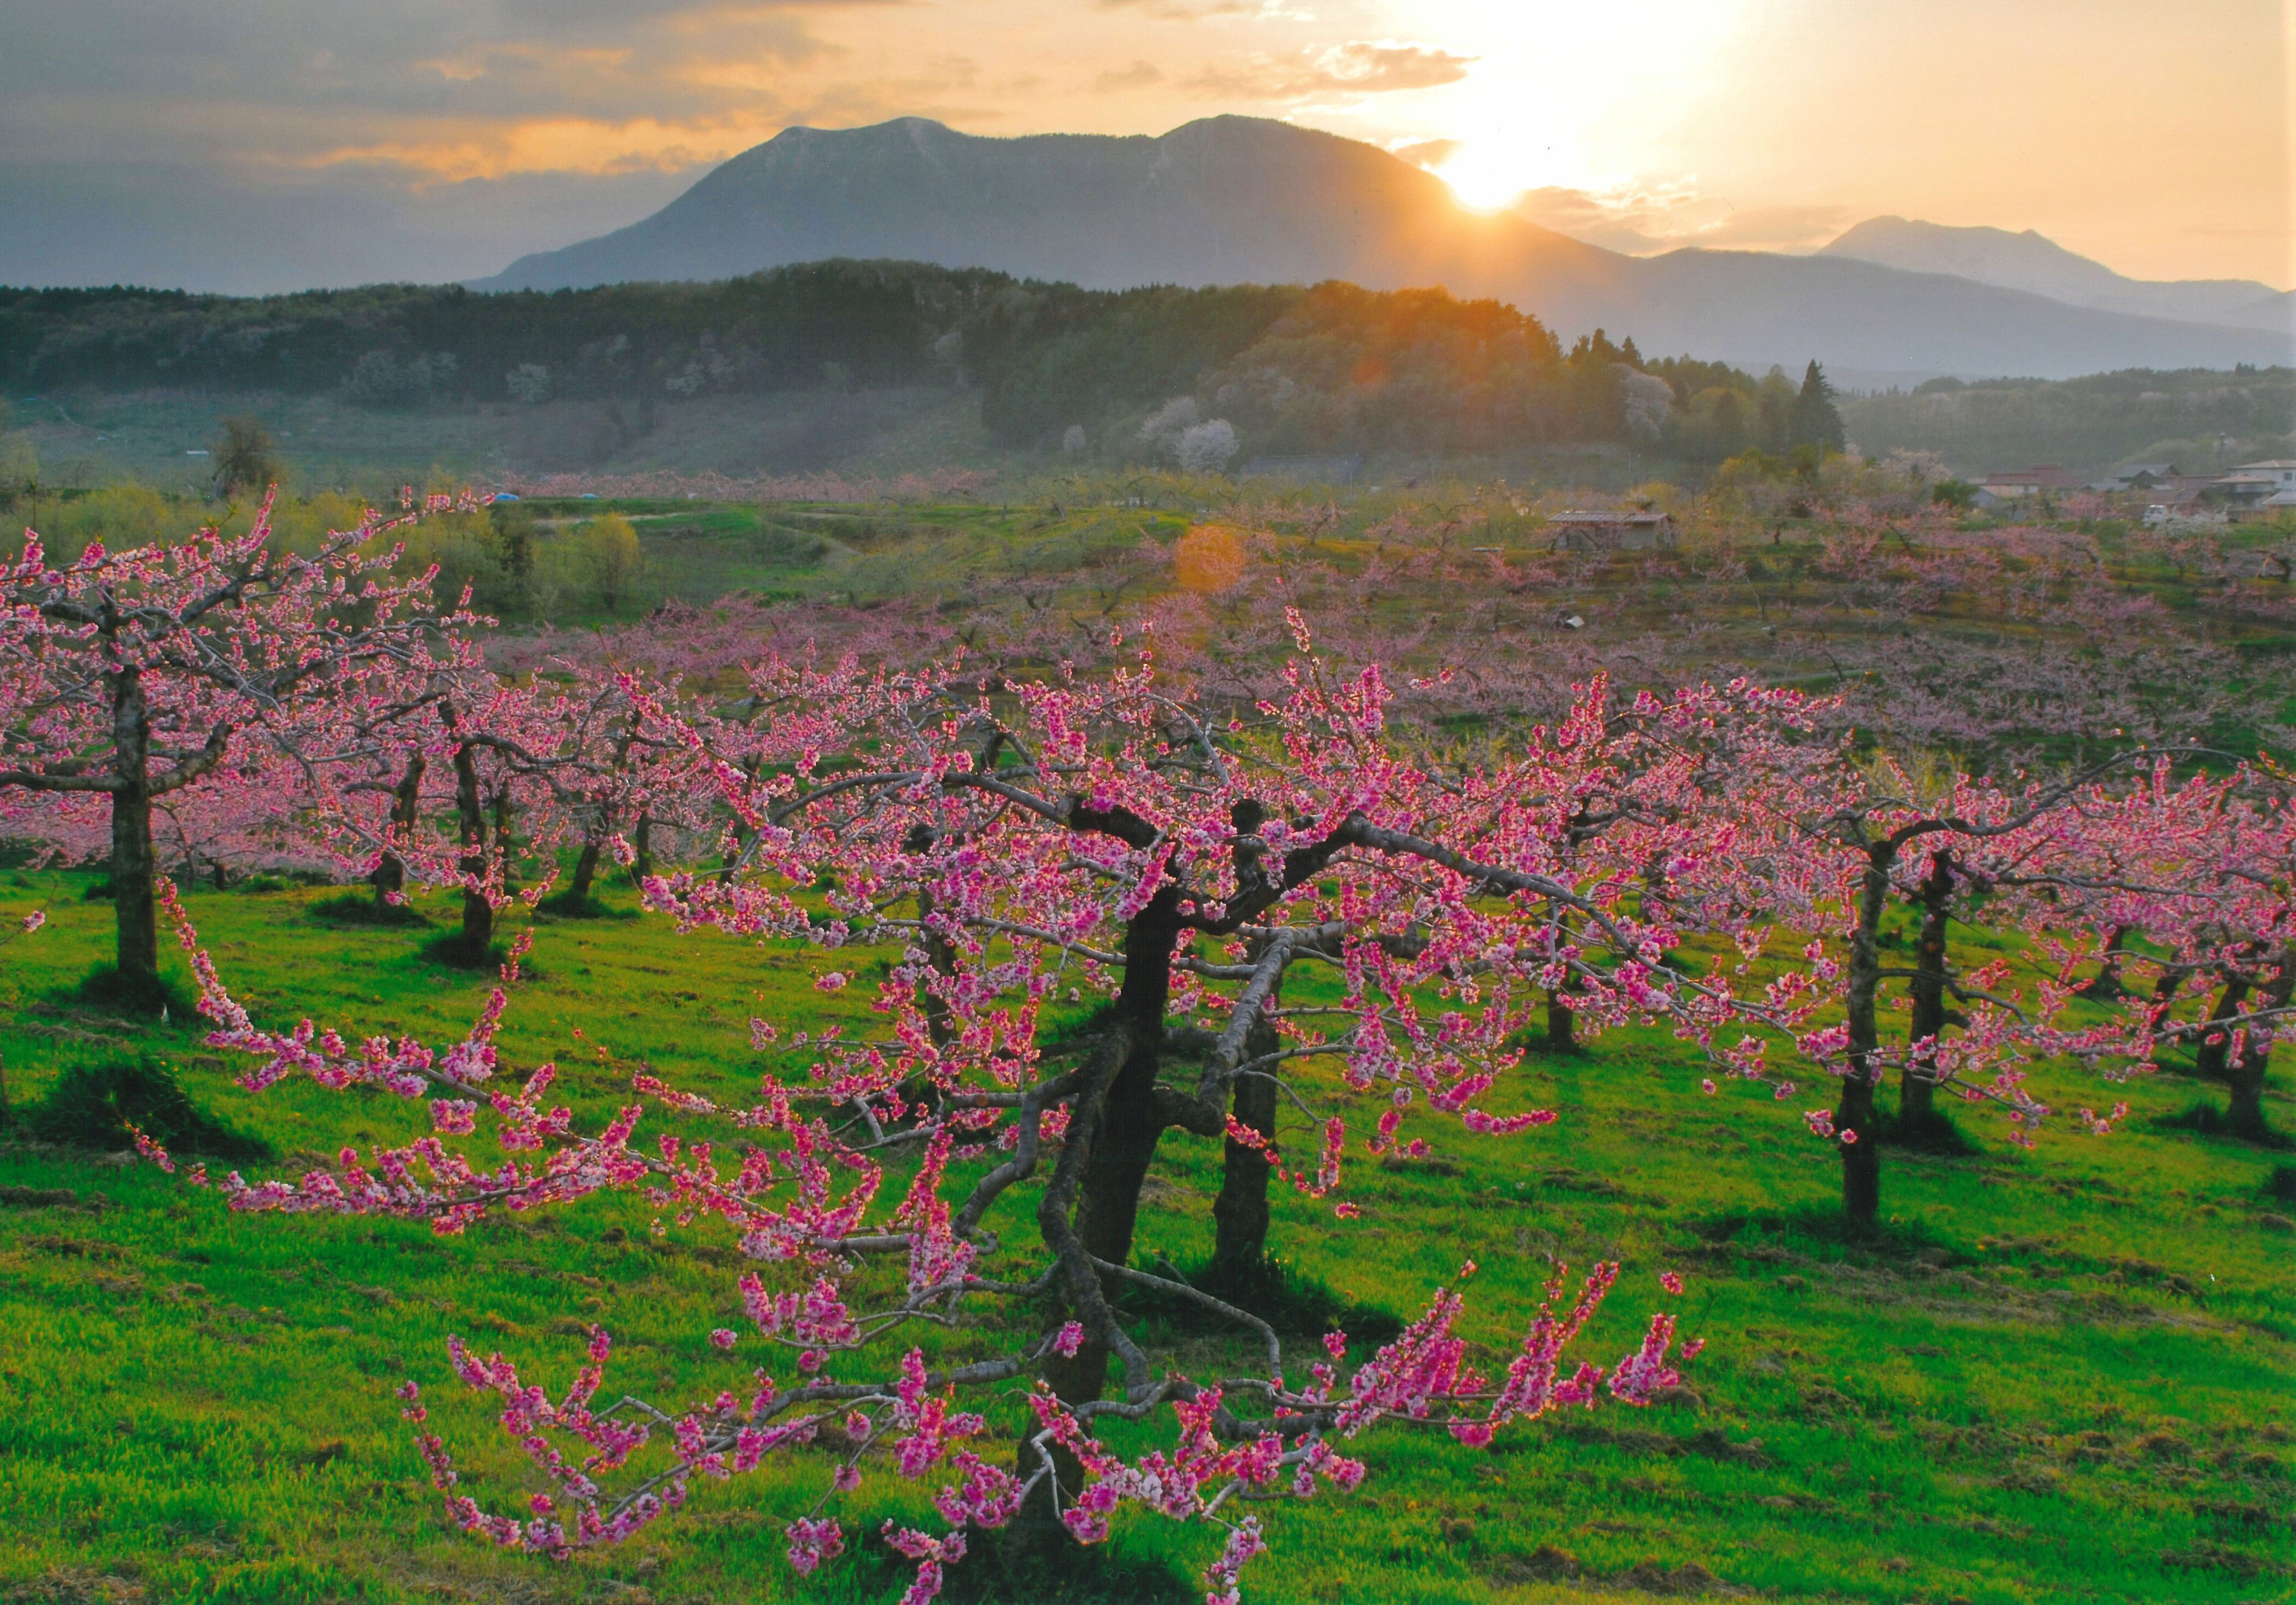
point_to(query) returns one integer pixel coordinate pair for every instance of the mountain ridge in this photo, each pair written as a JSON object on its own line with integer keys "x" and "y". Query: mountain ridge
{"x": 2032, "y": 261}
{"x": 1237, "y": 200}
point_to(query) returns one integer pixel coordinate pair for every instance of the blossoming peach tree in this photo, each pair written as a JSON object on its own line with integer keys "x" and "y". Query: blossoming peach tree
{"x": 194, "y": 678}
{"x": 1009, "y": 854}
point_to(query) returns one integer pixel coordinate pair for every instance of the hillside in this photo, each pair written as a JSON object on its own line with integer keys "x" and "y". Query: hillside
{"x": 1294, "y": 369}
{"x": 1234, "y": 200}
{"x": 2201, "y": 421}
{"x": 2032, "y": 262}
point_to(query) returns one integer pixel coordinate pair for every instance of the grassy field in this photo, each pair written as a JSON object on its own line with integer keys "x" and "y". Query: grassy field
{"x": 326, "y": 442}
{"x": 2061, "y": 1376}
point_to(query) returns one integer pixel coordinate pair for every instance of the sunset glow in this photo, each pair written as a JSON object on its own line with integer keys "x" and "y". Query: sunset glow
{"x": 1643, "y": 125}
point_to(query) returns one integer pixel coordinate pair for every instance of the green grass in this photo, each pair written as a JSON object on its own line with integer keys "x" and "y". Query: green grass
{"x": 2061, "y": 1376}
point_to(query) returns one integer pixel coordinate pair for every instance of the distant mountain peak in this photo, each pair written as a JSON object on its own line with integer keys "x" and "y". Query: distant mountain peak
{"x": 1233, "y": 200}
{"x": 2037, "y": 265}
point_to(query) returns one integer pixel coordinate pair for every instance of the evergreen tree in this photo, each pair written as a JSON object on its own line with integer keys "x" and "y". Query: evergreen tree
{"x": 1816, "y": 422}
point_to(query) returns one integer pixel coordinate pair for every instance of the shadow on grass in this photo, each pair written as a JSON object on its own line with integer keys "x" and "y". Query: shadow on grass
{"x": 1816, "y": 1230}
{"x": 1295, "y": 1304}
{"x": 92, "y": 1106}
{"x": 2281, "y": 1183}
{"x": 132, "y": 996}
{"x": 450, "y": 949}
{"x": 2207, "y": 1120}
{"x": 362, "y": 909}
{"x": 1934, "y": 1133}
{"x": 566, "y": 905}
{"x": 1029, "y": 1562}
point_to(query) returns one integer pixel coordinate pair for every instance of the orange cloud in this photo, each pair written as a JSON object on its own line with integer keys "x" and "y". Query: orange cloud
{"x": 1358, "y": 68}
{"x": 549, "y": 145}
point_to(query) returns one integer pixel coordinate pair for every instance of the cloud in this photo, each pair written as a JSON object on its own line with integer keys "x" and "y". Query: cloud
{"x": 1358, "y": 68}
{"x": 1644, "y": 219}
{"x": 440, "y": 92}
{"x": 1429, "y": 153}
{"x": 1378, "y": 68}
{"x": 1140, "y": 75}
{"x": 179, "y": 226}
{"x": 1777, "y": 227}
{"x": 1180, "y": 11}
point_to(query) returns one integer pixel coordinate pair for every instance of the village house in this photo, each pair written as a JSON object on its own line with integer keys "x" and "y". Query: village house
{"x": 2142, "y": 476}
{"x": 2243, "y": 489}
{"x": 2279, "y": 504}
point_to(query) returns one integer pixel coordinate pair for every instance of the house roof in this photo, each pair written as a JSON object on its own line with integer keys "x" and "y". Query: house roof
{"x": 2276, "y": 465}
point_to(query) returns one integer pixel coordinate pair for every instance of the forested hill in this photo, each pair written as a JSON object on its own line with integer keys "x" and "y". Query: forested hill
{"x": 1330, "y": 367}
{"x": 2199, "y": 420}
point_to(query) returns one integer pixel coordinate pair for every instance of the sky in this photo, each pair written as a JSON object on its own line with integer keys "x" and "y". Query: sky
{"x": 252, "y": 145}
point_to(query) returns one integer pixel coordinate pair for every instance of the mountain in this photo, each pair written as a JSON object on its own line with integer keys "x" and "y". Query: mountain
{"x": 2032, "y": 261}
{"x": 1222, "y": 200}
{"x": 1235, "y": 200}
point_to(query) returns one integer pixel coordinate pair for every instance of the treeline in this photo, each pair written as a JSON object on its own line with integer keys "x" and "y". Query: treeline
{"x": 1293, "y": 368}
{"x": 872, "y": 323}
{"x": 2200, "y": 418}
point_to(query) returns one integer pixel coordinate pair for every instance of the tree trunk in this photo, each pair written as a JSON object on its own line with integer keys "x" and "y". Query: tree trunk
{"x": 470, "y": 818}
{"x": 2245, "y": 1076}
{"x": 1123, "y": 1138}
{"x": 388, "y": 877}
{"x": 940, "y": 954}
{"x": 586, "y": 871}
{"x": 2212, "y": 1059}
{"x": 642, "y": 849}
{"x": 2244, "y": 1083}
{"x": 1239, "y": 1214}
{"x": 1917, "y": 1083}
{"x": 1120, "y": 1141}
{"x": 1561, "y": 1024}
{"x": 134, "y": 909}
{"x": 2105, "y": 985}
{"x": 1853, "y": 1120}
{"x": 503, "y": 813}
{"x": 1861, "y": 1156}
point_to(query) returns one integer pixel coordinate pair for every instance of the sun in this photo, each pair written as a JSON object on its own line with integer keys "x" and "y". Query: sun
{"x": 1484, "y": 174}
